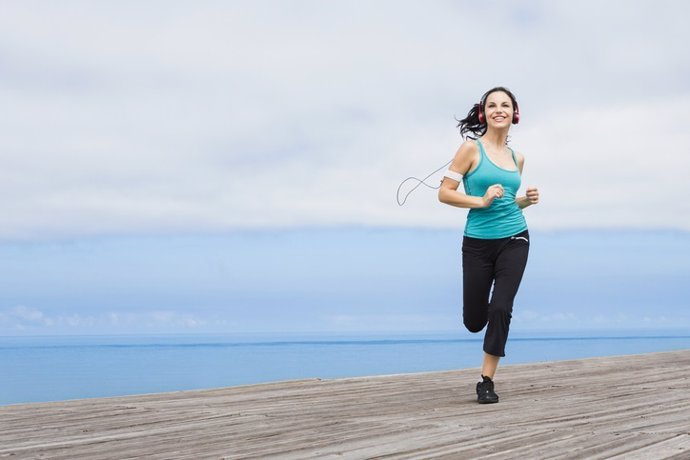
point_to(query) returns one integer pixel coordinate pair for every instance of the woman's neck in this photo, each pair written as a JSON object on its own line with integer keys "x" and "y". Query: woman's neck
{"x": 495, "y": 137}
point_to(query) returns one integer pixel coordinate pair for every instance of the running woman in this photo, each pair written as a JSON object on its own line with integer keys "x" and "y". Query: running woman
{"x": 496, "y": 240}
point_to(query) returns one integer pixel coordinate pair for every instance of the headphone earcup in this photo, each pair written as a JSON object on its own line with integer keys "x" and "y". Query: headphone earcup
{"x": 481, "y": 115}
{"x": 516, "y": 114}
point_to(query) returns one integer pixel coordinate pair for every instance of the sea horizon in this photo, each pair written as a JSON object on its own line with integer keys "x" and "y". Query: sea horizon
{"x": 44, "y": 368}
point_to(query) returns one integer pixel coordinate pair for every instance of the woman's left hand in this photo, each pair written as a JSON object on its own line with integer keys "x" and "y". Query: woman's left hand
{"x": 532, "y": 195}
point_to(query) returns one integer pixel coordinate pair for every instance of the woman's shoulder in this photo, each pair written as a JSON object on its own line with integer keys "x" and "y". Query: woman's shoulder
{"x": 519, "y": 158}
{"x": 470, "y": 143}
{"x": 466, "y": 157}
{"x": 467, "y": 148}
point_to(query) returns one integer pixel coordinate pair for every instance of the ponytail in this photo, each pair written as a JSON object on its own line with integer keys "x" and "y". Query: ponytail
{"x": 472, "y": 124}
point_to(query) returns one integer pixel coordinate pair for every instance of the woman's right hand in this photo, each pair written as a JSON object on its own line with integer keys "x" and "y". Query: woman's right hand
{"x": 493, "y": 192}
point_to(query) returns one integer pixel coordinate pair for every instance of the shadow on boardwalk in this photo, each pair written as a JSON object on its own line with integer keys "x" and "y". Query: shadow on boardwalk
{"x": 624, "y": 407}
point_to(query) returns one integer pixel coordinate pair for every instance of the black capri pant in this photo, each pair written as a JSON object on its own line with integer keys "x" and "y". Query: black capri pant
{"x": 501, "y": 263}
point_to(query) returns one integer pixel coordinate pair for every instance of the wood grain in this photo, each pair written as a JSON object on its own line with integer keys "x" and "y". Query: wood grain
{"x": 625, "y": 407}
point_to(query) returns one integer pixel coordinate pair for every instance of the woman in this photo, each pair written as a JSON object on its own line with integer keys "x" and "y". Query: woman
{"x": 496, "y": 241}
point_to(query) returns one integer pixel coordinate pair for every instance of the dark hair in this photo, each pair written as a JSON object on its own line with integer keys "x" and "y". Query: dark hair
{"x": 471, "y": 122}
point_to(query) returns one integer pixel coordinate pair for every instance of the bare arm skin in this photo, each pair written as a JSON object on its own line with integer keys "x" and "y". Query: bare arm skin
{"x": 532, "y": 194}
{"x": 466, "y": 160}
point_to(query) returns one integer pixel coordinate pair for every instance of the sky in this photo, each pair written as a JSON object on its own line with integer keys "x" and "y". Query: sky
{"x": 188, "y": 166}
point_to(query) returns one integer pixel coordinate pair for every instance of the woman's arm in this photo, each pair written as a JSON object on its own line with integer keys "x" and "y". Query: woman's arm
{"x": 532, "y": 195}
{"x": 465, "y": 158}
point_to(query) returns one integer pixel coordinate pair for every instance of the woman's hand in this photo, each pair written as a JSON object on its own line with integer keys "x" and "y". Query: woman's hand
{"x": 532, "y": 195}
{"x": 493, "y": 192}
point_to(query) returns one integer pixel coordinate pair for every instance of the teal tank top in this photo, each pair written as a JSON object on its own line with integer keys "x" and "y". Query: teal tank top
{"x": 504, "y": 217}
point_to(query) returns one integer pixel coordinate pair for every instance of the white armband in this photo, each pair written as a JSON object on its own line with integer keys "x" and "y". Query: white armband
{"x": 453, "y": 175}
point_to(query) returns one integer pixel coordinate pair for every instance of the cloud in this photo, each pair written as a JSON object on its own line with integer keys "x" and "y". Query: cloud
{"x": 611, "y": 318}
{"x": 178, "y": 117}
{"x": 344, "y": 322}
{"x": 22, "y": 319}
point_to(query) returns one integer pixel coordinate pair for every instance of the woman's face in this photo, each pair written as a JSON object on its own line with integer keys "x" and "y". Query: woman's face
{"x": 498, "y": 110}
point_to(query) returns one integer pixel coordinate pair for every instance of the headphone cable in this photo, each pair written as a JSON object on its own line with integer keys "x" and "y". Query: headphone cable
{"x": 419, "y": 182}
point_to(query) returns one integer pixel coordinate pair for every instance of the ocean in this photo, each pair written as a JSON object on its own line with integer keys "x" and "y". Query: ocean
{"x": 39, "y": 369}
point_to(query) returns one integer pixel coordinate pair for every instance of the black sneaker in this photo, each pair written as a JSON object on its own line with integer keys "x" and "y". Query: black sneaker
{"x": 485, "y": 391}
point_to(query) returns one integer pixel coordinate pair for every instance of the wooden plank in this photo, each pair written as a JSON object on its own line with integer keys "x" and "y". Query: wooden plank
{"x": 613, "y": 407}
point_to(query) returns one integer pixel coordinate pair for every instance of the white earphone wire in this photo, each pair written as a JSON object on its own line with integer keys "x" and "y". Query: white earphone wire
{"x": 419, "y": 182}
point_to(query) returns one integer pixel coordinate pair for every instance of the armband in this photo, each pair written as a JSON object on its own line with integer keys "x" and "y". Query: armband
{"x": 453, "y": 175}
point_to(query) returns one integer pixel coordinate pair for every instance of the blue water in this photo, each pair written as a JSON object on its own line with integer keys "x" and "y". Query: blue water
{"x": 37, "y": 369}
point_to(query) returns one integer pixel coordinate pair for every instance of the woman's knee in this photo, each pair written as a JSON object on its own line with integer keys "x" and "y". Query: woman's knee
{"x": 474, "y": 325}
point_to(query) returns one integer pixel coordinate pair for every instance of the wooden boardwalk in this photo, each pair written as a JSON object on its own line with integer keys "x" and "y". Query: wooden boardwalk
{"x": 625, "y": 407}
